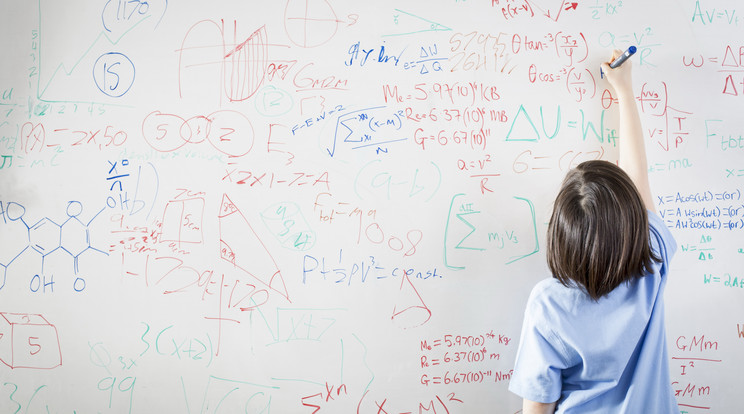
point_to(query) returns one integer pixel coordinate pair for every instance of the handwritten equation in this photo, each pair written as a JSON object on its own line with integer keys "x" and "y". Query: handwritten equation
{"x": 325, "y": 206}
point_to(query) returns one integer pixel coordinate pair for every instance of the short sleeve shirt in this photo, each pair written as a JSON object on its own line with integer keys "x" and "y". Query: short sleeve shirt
{"x": 605, "y": 356}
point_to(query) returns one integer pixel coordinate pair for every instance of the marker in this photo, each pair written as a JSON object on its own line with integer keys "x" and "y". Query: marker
{"x": 622, "y": 58}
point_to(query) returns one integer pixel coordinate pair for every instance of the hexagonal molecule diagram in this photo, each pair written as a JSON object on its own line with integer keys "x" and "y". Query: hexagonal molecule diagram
{"x": 28, "y": 341}
{"x": 75, "y": 235}
{"x": 45, "y": 236}
{"x": 14, "y": 236}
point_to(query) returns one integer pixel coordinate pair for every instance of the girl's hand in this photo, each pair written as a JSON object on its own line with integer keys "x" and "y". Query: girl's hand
{"x": 620, "y": 78}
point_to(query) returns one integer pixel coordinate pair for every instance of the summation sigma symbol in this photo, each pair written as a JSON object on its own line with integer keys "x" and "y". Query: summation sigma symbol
{"x": 44, "y": 237}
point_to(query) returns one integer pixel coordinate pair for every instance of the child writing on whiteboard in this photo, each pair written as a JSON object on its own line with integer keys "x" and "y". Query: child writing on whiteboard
{"x": 593, "y": 338}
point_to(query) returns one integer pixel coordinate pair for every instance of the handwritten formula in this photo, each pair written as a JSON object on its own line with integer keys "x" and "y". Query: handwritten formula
{"x": 340, "y": 207}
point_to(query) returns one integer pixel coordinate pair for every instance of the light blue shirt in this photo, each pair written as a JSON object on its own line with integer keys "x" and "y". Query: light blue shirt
{"x": 608, "y": 356}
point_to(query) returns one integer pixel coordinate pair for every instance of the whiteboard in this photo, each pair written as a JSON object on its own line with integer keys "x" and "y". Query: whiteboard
{"x": 340, "y": 207}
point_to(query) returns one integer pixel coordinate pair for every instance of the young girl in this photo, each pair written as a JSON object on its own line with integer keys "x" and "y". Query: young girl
{"x": 593, "y": 338}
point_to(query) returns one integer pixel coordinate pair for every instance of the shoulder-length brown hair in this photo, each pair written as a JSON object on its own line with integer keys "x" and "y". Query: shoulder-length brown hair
{"x": 598, "y": 235}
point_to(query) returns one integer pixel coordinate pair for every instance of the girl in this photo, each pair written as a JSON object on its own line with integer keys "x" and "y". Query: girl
{"x": 593, "y": 338}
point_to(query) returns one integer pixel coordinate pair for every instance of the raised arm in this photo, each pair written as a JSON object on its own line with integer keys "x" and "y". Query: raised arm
{"x": 632, "y": 157}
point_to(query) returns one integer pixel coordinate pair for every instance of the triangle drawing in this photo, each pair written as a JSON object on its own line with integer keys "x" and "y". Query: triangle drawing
{"x": 410, "y": 23}
{"x": 241, "y": 246}
{"x": 410, "y": 310}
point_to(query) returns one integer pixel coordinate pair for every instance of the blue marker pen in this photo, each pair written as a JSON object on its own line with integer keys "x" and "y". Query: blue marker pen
{"x": 622, "y": 58}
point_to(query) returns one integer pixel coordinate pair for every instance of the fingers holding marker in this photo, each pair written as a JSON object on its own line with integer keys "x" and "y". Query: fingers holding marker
{"x": 619, "y": 60}
{"x": 617, "y": 68}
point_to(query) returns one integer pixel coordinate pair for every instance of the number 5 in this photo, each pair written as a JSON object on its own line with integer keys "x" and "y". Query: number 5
{"x": 37, "y": 346}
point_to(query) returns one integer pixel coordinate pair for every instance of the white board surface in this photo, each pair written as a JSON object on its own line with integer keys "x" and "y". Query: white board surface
{"x": 340, "y": 206}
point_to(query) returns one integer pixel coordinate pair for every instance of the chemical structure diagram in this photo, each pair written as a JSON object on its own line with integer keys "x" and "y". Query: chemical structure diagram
{"x": 18, "y": 238}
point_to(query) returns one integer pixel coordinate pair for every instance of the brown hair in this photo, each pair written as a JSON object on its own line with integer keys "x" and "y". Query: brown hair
{"x": 598, "y": 232}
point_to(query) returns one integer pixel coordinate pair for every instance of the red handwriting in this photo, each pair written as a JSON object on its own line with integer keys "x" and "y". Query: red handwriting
{"x": 28, "y": 341}
{"x": 380, "y": 405}
{"x": 455, "y": 93}
{"x": 322, "y": 399}
{"x": 272, "y": 180}
{"x": 672, "y": 129}
{"x": 527, "y": 160}
{"x": 244, "y": 64}
{"x": 304, "y": 81}
{"x": 230, "y": 132}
